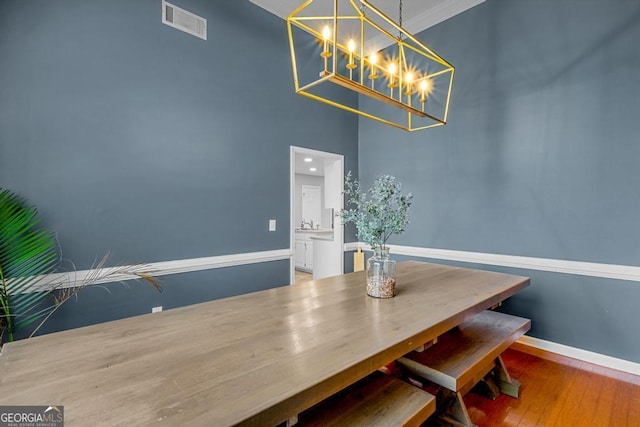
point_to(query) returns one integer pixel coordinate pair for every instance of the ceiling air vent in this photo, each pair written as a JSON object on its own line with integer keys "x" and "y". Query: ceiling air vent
{"x": 184, "y": 20}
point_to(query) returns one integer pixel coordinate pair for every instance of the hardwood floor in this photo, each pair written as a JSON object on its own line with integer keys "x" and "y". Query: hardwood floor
{"x": 302, "y": 277}
{"x": 559, "y": 391}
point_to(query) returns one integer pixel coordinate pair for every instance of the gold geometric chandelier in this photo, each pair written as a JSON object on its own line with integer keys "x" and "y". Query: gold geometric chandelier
{"x": 358, "y": 59}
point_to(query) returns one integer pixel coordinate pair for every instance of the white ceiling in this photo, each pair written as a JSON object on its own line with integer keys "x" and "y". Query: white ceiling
{"x": 303, "y": 167}
{"x": 417, "y": 14}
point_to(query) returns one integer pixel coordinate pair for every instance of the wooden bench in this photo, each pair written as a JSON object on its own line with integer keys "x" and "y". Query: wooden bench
{"x": 376, "y": 400}
{"x": 463, "y": 357}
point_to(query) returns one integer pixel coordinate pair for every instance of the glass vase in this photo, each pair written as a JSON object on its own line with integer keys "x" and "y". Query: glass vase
{"x": 381, "y": 274}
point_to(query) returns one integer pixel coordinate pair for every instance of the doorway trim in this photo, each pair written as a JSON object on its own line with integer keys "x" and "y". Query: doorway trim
{"x": 338, "y": 229}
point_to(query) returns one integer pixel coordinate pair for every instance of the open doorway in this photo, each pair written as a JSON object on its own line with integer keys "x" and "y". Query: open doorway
{"x": 316, "y": 232}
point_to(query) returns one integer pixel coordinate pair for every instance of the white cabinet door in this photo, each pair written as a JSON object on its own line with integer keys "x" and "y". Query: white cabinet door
{"x": 308, "y": 259}
{"x": 299, "y": 254}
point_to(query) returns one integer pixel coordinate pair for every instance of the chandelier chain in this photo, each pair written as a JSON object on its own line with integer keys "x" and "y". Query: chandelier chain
{"x": 400, "y": 20}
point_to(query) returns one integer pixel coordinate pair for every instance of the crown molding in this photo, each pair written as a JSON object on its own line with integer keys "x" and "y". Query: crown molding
{"x": 415, "y": 24}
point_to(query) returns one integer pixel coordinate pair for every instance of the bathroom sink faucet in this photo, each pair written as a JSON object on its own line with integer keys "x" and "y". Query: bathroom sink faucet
{"x": 310, "y": 224}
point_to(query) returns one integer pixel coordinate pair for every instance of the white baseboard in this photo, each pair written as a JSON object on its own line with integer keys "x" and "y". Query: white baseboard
{"x": 583, "y": 355}
{"x": 607, "y": 271}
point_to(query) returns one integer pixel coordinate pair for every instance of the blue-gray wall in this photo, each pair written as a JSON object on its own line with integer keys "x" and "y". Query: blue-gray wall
{"x": 135, "y": 138}
{"x": 540, "y": 157}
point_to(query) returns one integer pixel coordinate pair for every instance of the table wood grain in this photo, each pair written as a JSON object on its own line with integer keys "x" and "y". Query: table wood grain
{"x": 254, "y": 359}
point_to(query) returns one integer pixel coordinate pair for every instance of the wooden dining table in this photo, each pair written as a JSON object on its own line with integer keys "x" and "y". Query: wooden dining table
{"x": 253, "y": 359}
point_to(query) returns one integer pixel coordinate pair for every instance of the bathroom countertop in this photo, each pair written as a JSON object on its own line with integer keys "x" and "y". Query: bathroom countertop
{"x": 325, "y": 238}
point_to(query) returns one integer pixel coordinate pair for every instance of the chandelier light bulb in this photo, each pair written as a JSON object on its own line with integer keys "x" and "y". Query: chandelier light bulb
{"x": 408, "y": 77}
{"x": 391, "y": 68}
{"x": 373, "y": 60}
{"x": 351, "y": 65}
{"x": 326, "y": 33}
{"x": 425, "y": 87}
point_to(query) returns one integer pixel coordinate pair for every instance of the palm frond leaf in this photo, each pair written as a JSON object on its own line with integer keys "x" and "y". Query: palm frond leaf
{"x": 29, "y": 292}
{"x": 27, "y": 252}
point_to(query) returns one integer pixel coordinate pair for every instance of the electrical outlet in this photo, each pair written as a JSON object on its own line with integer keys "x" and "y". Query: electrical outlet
{"x": 156, "y": 309}
{"x": 272, "y": 225}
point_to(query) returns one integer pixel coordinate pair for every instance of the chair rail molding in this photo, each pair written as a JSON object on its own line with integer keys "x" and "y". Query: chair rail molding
{"x": 164, "y": 268}
{"x": 608, "y": 271}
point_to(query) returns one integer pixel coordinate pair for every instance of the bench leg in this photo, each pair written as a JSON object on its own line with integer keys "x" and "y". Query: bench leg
{"x": 497, "y": 382}
{"x": 452, "y": 410}
{"x": 487, "y": 387}
{"x": 507, "y": 385}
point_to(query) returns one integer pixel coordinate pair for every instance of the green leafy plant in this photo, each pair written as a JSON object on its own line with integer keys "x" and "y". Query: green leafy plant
{"x": 377, "y": 213}
{"x": 30, "y": 289}
{"x": 26, "y": 252}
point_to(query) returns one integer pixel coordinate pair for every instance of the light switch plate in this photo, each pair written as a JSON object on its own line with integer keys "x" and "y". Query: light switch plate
{"x": 272, "y": 225}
